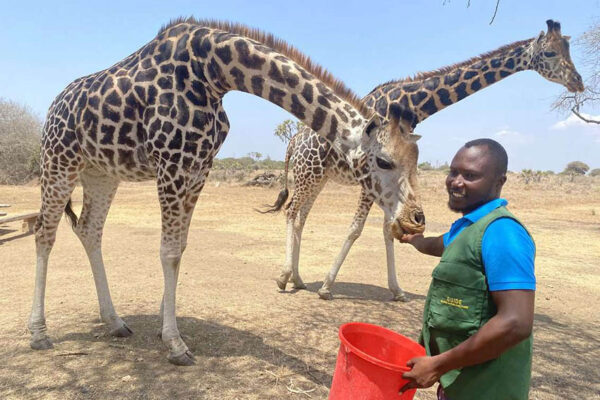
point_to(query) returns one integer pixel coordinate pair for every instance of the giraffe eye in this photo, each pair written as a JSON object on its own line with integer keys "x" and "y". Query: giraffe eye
{"x": 383, "y": 164}
{"x": 550, "y": 54}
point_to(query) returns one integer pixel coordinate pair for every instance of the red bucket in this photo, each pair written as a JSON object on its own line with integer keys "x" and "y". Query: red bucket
{"x": 370, "y": 363}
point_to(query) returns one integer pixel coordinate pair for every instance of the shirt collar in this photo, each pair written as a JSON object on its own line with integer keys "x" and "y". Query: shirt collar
{"x": 485, "y": 209}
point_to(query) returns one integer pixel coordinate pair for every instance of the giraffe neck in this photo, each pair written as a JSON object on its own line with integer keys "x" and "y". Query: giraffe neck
{"x": 433, "y": 91}
{"x": 229, "y": 61}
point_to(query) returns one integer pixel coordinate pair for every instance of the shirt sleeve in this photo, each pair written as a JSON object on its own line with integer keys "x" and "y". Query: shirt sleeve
{"x": 445, "y": 238}
{"x": 508, "y": 254}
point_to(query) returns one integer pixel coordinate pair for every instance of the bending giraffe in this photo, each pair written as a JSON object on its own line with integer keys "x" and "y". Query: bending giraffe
{"x": 158, "y": 115}
{"x": 316, "y": 161}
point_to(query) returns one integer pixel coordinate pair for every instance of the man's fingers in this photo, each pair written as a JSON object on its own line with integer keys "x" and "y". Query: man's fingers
{"x": 408, "y": 386}
{"x": 410, "y": 363}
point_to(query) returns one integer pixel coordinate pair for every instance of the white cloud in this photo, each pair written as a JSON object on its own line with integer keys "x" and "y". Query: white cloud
{"x": 574, "y": 120}
{"x": 513, "y": 137}
{"x": 576, "y": 123}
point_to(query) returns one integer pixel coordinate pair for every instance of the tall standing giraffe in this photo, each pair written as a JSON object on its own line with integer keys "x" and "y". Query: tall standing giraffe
{"x": 425, "y": 94}
{"x": 158, "y": 114}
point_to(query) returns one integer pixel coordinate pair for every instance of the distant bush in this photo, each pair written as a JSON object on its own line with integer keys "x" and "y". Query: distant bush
{"x": 576, "y": 168}
{"x": 246, "y": 164}
{"x": 425, "y": 166}
{"x": 19, "y": 143}
{"x": 595, "y": 172}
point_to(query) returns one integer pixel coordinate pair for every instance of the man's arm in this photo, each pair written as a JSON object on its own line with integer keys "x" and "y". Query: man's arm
{"x": 433, "y": 246}
{"x": 512, "y": 324}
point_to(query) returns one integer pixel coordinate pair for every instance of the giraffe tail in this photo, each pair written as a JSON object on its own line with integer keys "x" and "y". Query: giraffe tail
{"x": 70, "y": 214}
{"x": 284, "y": 194}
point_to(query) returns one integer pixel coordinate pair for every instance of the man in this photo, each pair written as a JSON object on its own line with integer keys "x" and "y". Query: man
{"x": 478, "y": 314}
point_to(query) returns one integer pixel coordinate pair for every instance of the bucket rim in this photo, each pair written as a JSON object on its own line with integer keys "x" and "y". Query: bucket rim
{"x": 368, "y": 357}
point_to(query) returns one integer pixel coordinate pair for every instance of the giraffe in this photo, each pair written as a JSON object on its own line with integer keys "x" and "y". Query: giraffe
{"x": 425, "y": 94}
{"x": 158, "y": 114}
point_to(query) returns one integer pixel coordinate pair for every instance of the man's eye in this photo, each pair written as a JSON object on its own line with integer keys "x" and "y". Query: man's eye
{"x": 381, "y": 163}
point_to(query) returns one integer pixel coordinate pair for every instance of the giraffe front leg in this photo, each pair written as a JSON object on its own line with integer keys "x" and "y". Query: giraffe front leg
{"x": 396, "y": 290}
{"x": 190, "y": 204}
{"x": 173, "y": 209}
{"x": 98, "y": 193}
{"x": 358, "y": 223}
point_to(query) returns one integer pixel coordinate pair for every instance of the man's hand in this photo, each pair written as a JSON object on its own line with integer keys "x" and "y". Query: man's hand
{"x": 433, "y": 245}
{"x": 424, "y": 373}
{"x": 408, "y": 238}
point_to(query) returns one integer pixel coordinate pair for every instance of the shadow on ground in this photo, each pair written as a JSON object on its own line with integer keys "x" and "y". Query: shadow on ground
{"x": 356, "y": 291}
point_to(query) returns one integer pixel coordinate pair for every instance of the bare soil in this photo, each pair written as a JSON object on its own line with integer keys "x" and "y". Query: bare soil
{"x": 251, "y": 340}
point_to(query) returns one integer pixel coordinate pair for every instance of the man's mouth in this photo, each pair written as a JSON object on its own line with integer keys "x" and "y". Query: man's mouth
{"x": 457, "y": 195}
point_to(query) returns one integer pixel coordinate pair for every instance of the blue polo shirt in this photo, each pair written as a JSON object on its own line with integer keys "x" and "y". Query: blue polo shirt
{"x": 507, "y": 250}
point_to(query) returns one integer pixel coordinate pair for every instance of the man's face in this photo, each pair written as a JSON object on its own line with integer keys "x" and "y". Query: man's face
{"x": 472, "y": 180}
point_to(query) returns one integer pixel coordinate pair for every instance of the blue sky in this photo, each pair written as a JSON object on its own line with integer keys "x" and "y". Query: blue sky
{"x": 45, "y": 45}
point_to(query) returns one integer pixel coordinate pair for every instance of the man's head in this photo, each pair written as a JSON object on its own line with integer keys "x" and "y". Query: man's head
{"x": 477, "y": 173}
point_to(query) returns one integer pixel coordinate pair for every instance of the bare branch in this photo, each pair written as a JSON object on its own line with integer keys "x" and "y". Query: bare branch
{"x": 575, "y": 110}
{"x": 495, "y": 11}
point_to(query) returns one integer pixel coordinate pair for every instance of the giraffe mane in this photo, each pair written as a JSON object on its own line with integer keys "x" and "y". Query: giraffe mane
{"x": 281, "y": 46}
{"x": 421, "y": 76}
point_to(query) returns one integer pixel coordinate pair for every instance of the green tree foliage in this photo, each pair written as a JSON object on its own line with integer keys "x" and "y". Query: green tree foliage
{"x": 576, "y": 168}
{"x": 287, "y": 129}
{"x": 19, "y": 143}
{"x": 425, "y": 166}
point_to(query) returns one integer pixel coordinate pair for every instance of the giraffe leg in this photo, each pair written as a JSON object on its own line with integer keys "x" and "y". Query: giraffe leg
{"x": 55, "y": 195}
{"x": 98, "y": 193}
{"x": 396, "y": 290}
{"x": 173, "y": 204}
{"x": 190, "y": 204}
{"x": 302, "y": 202}
{"x": 364, "y": 206}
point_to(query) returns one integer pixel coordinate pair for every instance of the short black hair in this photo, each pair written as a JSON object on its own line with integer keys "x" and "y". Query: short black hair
{"x": 496, "y": 151}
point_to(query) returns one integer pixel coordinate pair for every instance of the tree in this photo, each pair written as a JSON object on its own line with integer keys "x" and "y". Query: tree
{"x": 425, "y": 166}
{"x": 256, "y": 156}
{"x": 287, "y": 129}
{"x": 595, "y": 172}
{"x": 19, "y": 143}
{"x": 576, "y": 168}
{"x": 590, "y": 97}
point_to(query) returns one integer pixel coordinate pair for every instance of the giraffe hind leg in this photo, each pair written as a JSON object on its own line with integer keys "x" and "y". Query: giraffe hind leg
{"x": 56, "y": 191}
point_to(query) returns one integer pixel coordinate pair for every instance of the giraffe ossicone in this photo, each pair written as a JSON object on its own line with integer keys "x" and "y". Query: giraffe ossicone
{"x": 316, "y": 161}
{"x": 158, "y": 115}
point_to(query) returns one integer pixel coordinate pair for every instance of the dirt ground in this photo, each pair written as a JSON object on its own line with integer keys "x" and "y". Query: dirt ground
{"x": 251, "y": 340}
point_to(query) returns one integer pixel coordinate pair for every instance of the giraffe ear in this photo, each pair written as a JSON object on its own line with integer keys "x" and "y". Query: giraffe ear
{"x": 567, "y": 38}
{"x": 541, "y": 36}
{"x": 374, "y": 123}
{"x": 413, "y": 137}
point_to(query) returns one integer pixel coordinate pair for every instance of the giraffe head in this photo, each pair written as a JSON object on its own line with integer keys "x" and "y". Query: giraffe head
{"x": 551, "y": 58}
{"x": 389, "y": 170}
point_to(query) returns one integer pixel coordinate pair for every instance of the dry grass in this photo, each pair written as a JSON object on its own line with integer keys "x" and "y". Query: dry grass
{"x": 252, "y": 341}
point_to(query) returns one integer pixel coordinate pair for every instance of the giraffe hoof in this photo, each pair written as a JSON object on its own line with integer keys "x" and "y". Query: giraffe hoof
{"x": 325, "y": 294}
{"x": 185, "y": 359}
{"x": 299, "y": 285}
{"x": 122, "y": 331}
{"x": 41, "y": 344}
{"x": 281, "y": 283}
{"x": 400, "y": 297}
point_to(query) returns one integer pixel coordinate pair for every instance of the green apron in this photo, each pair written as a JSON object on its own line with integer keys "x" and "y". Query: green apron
{"x": 458, "y": 304}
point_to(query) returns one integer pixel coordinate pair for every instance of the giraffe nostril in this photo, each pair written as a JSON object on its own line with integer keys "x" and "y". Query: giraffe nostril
{"x": 419, "y": 218}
